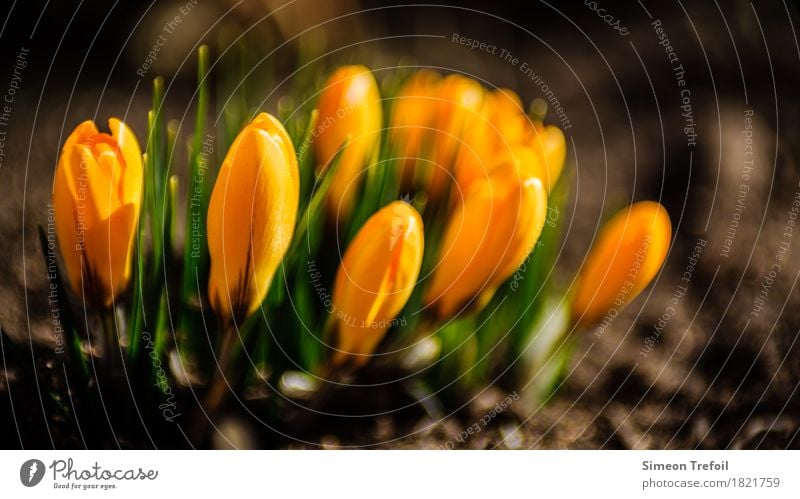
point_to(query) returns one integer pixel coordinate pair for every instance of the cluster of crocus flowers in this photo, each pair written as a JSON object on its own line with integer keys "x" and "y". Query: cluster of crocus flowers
{"x": 349, "y": 123}
{"x": 453, "y": 129}
{"x": 375, "y": 279}
{"x": 97, "y": 196}
{"x": 502, "y": 165}
{"x": 480, "y": 177}
{"x": 628, "y": 254}
{"x": 444, "y": 131}
{"x": 481, "y": 172}
{"x": 251, "y": 217}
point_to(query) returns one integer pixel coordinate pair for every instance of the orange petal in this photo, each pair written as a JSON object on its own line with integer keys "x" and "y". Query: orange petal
{"x": 132, "y": 154}
{"x": 81, "y": 133}
{"x": 109, "y": 248}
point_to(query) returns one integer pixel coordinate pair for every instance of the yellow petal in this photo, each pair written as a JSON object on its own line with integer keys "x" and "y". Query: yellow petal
{"x": 527, "y": 228}
{"x": 272, "y": 125}
{"x": 95, "y": 195}
{"x": 109, "y": 249}
{"x": 551, "y": 146}
{"x": 82, "y": 132}
{"x": 67, "y": 224}
{"x": 133, "y": 174}
{"x": 478, "y": 152}
{"x": 508, "y": 117}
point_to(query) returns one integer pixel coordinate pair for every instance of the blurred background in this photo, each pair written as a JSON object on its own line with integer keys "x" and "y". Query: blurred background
{"x": 693, "y": 104}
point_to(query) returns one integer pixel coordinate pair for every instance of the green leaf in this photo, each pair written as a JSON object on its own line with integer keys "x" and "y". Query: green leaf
{"x": 459, "y": 354}
{"x": 195, "y": 262}
{"x": 546, "y": 353}
{"x": 315, "y": 208}
{"x": 305, "y": 158}
{"x": 136, "y": 312}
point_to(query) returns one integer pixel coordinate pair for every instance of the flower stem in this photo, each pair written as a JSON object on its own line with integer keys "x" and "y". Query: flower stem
{"x": 111, "y": 341}
{"x": 219, "y": 386}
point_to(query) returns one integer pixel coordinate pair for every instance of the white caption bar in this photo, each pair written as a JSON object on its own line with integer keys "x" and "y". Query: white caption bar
{"x": 402, "y": 474}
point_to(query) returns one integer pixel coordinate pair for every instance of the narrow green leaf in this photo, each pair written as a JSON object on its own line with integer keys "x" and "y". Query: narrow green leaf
{"x": 305, "y": 158}
{"x": 195, "y": 262}
{"x": 136, "y": 312}
{"x": 315, "y": 207}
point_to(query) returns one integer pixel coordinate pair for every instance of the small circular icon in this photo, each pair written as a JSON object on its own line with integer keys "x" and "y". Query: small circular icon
{"x": 31, "y": 472}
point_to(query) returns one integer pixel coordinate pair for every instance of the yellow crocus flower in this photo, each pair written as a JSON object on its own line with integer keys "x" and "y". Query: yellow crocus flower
{"x": 349, "y": 111}
{"x": 629, "y": 252}
{"x": 375, "y": 279}
{"x": 97, "y": 196}
{"x": 251, "y": 217}
{"x": 487, "y": 237}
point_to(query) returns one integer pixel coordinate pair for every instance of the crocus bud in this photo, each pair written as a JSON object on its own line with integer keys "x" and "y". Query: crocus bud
{"x": 376, "y": 278}
{"x": 628, "y": 253}
{"x": 251, "y": 217}
{"x": 349, "y": 112}
{"x": 97, "y": 196}
{"x": 487, "y": 237}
